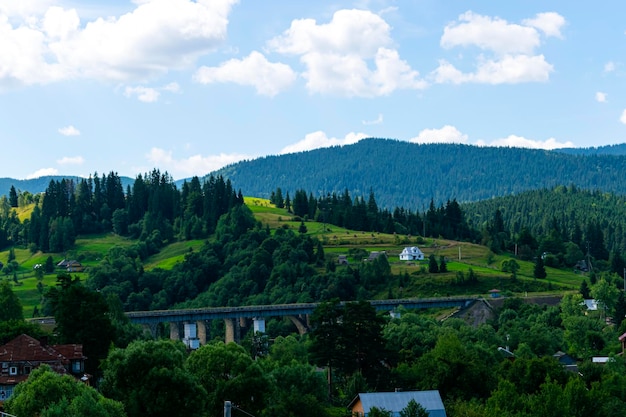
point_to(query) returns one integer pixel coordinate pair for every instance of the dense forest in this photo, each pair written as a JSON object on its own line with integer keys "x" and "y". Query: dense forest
{"x": 410, "y": 175}
{"x": 243, "y": 262}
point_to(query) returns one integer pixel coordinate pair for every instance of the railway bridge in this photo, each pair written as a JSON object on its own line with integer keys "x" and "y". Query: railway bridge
{"x": 194, "y": 321}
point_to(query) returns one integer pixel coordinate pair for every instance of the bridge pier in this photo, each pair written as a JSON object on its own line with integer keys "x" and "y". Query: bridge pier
{"x": 229, "y": 330}
{"x": 174, "y": 330}
{"x": 201, "y": 325}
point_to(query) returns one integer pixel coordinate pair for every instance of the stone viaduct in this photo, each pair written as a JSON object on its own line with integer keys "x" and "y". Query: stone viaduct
{"x": 194, "y": 321}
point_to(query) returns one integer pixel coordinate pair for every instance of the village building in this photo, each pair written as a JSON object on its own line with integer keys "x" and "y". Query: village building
{"x": 396, "y": 402}
{"x": 20, "y": 356}
{"x": 411, "y": 253}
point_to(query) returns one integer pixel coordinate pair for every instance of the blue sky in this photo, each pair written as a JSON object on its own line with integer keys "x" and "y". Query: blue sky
{"x": 190, "y": 86}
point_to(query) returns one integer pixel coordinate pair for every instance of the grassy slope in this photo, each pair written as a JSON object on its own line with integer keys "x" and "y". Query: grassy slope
{"x": 90, "y": 249}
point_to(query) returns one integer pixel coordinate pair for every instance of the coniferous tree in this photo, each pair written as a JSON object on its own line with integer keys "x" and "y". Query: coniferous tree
{"x": 443, "y": 267}
{"x": 433, "y": 268}
{"x": 13, "y": 197}
{"x": 539, "y": 271}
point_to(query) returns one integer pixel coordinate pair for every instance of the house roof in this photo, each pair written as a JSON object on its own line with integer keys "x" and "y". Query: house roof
{"x": 397, "y": 401}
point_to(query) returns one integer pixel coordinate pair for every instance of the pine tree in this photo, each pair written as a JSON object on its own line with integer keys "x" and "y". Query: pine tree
{"x": 540, "y": 270}
{"x": 433, "y": 268}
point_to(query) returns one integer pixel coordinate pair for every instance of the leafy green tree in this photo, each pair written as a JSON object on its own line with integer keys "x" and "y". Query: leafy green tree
{"x": 149, "y": 378}
{"x": 10, "y": 304}
{"x": 227, "y": 372}
{"x": 510, "y": 265}
{"x": 48, "y": 394}
{"x": 327, "y": 347}
{"x": 606, "y": 295}
{"x": 69, "y": 300}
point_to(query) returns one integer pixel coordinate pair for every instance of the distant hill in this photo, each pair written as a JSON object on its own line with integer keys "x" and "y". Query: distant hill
{"x": 619, "y": 149}
{"x": 39, "y": 185}
{"x": 410, "y": 175}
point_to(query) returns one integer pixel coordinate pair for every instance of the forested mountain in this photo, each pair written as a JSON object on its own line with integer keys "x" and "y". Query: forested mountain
{"x": 590, "y": 219}
{"x": 618, "y": 149}
{"x": 403, "y": 174}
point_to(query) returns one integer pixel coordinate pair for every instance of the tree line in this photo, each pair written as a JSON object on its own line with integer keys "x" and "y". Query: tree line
{"x": 152, "y": 210}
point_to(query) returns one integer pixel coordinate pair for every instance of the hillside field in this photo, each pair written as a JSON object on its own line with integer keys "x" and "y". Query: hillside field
{"x": 459, "y": 256}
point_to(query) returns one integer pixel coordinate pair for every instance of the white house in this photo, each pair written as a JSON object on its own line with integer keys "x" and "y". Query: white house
{"x": 411, "y": 253}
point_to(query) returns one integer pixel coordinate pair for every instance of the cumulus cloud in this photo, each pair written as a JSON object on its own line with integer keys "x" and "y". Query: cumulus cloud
{"x": 609, "y": 66}
{"x": 447, "y": 134}
{"x": 47, "y": 43}
{"x": 319, "y": 139}
{"x": 69, "y": 131}
{"x": 623, "y": 117}
{"x": 376, "y": 121}
{"x": 352, "y": 55}
{"x": 268, "y": 78}
{"x": 508, "y": 49}
{"x": 150, "y": 94}
{"x": 194, "y": 165}
{"x": 43, "y": 172}
{"x": 71, "y": 160}
{"x": 601, "y": 97}
{"x": 450, "y": 134}
{"x": 144, "y": 94}
{"x": 522, "y": 142}
{"x": 549, "y": 23}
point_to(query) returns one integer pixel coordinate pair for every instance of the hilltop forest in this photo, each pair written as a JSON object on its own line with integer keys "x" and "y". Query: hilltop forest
{"x": 410, "y": 175}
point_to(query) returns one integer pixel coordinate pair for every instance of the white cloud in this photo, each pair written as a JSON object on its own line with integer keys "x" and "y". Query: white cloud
{"x": 450, "y": 134}
{"x": 150, "y": 94}
{"x": 268, "y": 78}
{"x": 42, "y": 173}
{"x": 609, "y": 66}
{"x": 319, "y": 139}
{"x": 144, "y": 94}
{"x": 601, "y": 97}
{"x": 376, "y": 121}
{"x": 338, "y": 55}
{"x": 69, "y": 131}
{"x": 46, "y": 44}
{"x": 447, "y": 134}
{"x": 508, "y": 49}
{"x": 71, "y": 160}
{"x": 195, "y": 165}
{"x": 522, "y": 142}
{"x": 623, "y": 117}
{"x": 549, "y": 23}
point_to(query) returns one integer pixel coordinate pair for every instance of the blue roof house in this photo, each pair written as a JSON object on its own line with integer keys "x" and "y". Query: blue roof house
{"x": 396, "y": 402}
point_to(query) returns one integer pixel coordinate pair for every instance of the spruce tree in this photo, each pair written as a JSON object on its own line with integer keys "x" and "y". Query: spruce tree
{"x": 540, "y": 270}
{"x": 433, "y": 268}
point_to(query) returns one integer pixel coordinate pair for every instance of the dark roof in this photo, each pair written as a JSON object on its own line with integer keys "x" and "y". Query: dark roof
{"x": 397, "y": 401}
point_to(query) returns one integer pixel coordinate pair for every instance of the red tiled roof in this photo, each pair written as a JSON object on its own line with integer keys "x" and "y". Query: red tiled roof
{"x": 26, "y": 348}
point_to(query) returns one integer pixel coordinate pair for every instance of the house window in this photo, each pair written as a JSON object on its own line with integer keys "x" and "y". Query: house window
{"x": 27, "y": 369}
{"x": 77, "y": 366}
{"x": 5, "y": 392}
{"x": 13, "y": 370}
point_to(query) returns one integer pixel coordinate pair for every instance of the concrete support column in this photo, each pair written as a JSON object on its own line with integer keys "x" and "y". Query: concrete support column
{"x": 151, "y": 328}
{"x": 229, "y": 325}
{"x": 201, "y": 325}
{"x": 174, "y": 330}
